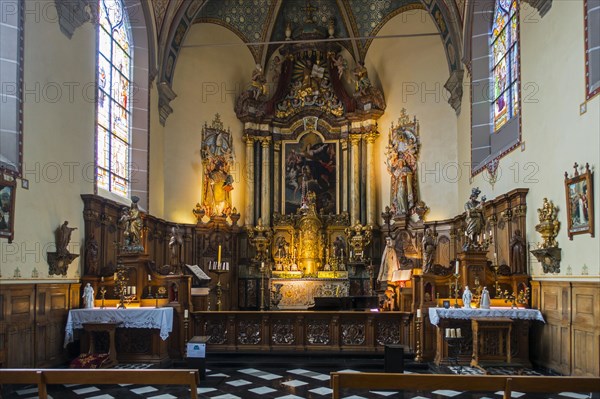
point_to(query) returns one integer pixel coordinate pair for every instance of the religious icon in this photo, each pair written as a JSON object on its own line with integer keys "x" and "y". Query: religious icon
{"x": 580, "y": 202}
{"x": 7, "y": 206}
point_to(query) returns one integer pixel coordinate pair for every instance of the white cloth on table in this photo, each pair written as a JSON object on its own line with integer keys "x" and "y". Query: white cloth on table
{"x": 159, "y": 318}
{"x": 435, "y": 314}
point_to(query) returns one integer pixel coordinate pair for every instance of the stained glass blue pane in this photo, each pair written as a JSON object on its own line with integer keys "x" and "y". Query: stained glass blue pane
{"x": 513, "y": 30}
{"x": 514, "y": 62}
{"x": 515, "y": 98}
{"x": 120, "y": 127}
{"x": 505, "y": 4}
{"x": 513, "y": 7}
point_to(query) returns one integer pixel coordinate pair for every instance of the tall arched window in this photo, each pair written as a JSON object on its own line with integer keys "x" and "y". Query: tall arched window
{"x": 114, "y": 74}
{"x": 504, "y": 45}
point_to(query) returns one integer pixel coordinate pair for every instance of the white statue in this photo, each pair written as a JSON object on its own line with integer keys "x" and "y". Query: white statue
{"x": 88, "y": 296}
{"x": 467, "y": 297}
{"x": 484, "y": 302}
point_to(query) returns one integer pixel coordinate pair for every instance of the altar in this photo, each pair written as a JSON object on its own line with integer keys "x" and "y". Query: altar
{"x": 499, "y": 335}
{"x": 141, "y": 335}
{"x": 299, "y": 293}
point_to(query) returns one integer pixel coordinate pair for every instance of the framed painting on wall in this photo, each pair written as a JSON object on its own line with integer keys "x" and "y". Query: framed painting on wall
{"x": 7, "y": 206}
{"x": 580, "y": 202}
{"x": 310, "y": 164}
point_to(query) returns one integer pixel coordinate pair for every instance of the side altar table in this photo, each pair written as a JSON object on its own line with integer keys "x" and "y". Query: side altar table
{"x": 496, "y": 335}
{"x": 141, "y": 335}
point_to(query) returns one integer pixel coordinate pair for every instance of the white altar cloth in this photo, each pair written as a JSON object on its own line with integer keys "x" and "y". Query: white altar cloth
{"x": 435, "y": 314}
{"x": 160, "y": 318}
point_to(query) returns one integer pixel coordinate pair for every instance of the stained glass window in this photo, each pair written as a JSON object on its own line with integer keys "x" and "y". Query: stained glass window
{"x": 504, "y": 63}
{"x": 114, "y": 88}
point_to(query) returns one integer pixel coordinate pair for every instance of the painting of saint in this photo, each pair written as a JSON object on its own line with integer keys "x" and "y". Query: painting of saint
{"x": 310, "y": 165}
{"x": 579, "y": 206}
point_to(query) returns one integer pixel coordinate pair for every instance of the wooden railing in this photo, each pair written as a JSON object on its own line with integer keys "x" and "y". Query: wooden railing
{"x": 45, "y": 377}
{"x": 473, "y": 383}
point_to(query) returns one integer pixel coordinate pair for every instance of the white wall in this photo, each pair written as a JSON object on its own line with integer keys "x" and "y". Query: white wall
{"x": 412, "y": 73}
{"x": 208, "y": 79}
{"x": 58, "y": 148}
{"x": 554, "y": 133}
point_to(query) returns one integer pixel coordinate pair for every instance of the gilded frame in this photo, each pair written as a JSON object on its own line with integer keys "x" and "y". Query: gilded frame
{"x": 579, "y": 193}
{"x": 8, "y": 189}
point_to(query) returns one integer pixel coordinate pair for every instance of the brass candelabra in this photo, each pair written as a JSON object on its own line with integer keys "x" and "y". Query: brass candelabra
{"x": 121, "y": 281}
{"x": 456, "y": 289}
{"x": 263, "y": 271}
{"x": 102, "y": 295}
{"x": 219, "y": 268}
{"x": 418, "y": 354}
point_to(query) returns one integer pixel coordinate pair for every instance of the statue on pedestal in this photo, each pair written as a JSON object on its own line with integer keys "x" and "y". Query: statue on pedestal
{"x": 429, "y": 246}
{"x": 389, "y": 262}
{"x": 475, "y": 221}
{"x": 131, "y": 221}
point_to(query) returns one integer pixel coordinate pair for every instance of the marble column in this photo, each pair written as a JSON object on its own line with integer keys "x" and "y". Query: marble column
{"x": 249, "y": 175}
{"x": 276, "y": 177}
{"x": 355, "y": 179}
{"x": 371, "y": 214}
{"x": 265, "y": 198}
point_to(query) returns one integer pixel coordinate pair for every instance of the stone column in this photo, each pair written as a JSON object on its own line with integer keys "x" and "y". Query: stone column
{"x": 371, "y": 214}
{"x": 265, "y": 205}
{"x": 354, "y": 180}
{"x": 249, "y": 175}
{"x": 276, "y": 177}
{"x": 345, "y": 175}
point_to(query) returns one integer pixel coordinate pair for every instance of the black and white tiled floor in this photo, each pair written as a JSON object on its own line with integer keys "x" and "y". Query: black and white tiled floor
{"x": 254, "y": 383}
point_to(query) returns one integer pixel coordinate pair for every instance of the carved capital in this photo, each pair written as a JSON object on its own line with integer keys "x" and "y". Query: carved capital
{"x": 277, "y": 145}
{"x": 265, "y": 142}
{"x": 542, "y": 6}
{"x": 371, "y": 136}
{"x": 165, "y": 96}
{"x": 454, "y": 87}
{"x": 354, "y": 139}
{"x": 249, "y": 140}
{"x": 74, "y": 13}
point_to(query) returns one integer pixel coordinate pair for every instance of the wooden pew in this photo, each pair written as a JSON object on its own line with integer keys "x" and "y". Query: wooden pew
{"x": 489, "y": 383}
{"x": 44, "y": 377}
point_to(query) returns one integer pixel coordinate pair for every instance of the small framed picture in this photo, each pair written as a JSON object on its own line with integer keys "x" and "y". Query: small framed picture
{"x": 446, "y": 304}
{"x": 25, "y": 184}
{"x": 7, "y": 207}
{"x": 580, "y": 202}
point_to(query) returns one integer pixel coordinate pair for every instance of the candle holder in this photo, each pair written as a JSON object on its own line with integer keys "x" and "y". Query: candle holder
{"x": 102, "y": 295}
{"x": 121, "y": 281}
{"x": 497, "y": 289}
{"x": 218, "y": 268}
{"x": 263, "y": 271}
{"x": 418, "y": 354}
{"x": 456, "y": 288}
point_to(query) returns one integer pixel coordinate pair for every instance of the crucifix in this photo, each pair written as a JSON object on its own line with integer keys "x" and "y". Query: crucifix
{"x": 309, "y": 9}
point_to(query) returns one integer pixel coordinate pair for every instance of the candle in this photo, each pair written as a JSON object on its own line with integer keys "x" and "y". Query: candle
{"x": 185, "y": 314}
{"x": 102, "y": 279}
{"x": 418, "y": 313}
{"x": 149, "y": 278}
{"x": 457, "y": 265}
{"x": 452, "y": 333}
{"x": 133, "y": 290}
{"x": 495, "y": 257}
{"x": 447, "y": 335}
{"x": 219, "y": 255}
{"x": 458, "y": 333}
{"x": 262, "y": 265}
{"x": 115, "y": 276}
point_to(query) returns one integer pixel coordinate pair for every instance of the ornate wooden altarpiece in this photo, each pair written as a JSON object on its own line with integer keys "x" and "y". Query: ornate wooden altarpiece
{"x": 311, "y": 214}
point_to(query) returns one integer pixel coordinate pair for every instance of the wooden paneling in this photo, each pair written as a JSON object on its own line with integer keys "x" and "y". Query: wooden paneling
{"x": 33, "y": 322}
{"x": 569, "y": 342}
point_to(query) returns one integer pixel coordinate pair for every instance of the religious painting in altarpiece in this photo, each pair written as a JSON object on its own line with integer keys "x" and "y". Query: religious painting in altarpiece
{"x": 310, "y": 164}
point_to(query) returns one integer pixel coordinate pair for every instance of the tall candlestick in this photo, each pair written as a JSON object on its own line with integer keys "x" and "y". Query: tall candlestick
{"x": 219, "y": 255}
{"x": 457, "y": 265}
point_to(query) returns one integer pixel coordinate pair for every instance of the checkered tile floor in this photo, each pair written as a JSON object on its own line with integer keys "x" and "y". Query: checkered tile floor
{"x": 253, "y": 383}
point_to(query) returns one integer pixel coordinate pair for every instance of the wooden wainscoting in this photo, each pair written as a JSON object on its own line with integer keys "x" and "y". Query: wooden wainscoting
{"x": 32, "y": 323}
{"x": 569, "y": 342}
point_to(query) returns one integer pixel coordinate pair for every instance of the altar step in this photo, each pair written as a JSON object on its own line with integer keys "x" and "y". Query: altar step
{"x": 332, "y": 360}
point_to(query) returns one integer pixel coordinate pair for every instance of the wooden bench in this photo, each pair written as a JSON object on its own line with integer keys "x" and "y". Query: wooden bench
{"x": 45, "y": 377}
{"x": 488, "y": 383}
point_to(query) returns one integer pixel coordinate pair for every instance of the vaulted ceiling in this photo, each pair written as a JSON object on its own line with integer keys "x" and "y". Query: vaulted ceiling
{"x": 261, "y": 25}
